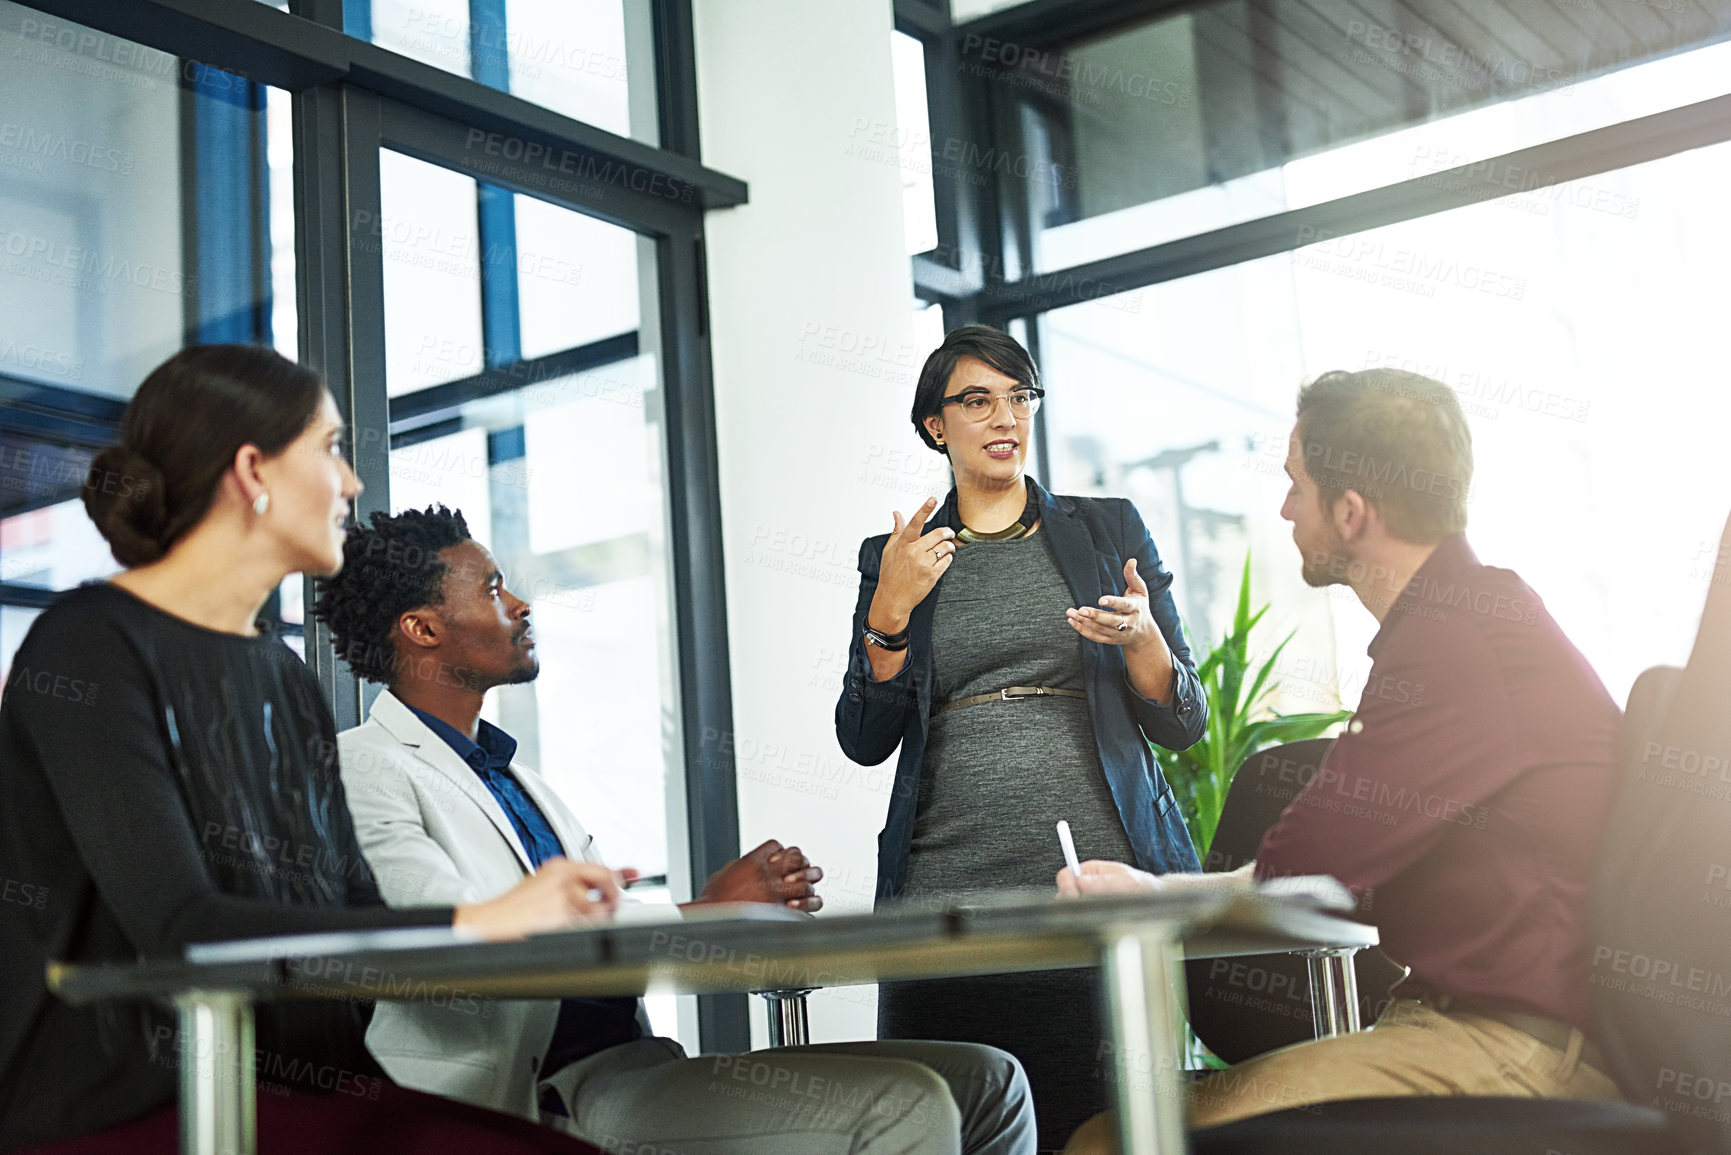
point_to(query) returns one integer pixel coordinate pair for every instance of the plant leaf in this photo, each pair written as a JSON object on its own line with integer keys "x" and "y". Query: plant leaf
{"x": 1239, "y": 722}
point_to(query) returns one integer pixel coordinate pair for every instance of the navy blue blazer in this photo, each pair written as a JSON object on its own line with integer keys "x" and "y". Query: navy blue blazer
{"x": 1092, "y": 538}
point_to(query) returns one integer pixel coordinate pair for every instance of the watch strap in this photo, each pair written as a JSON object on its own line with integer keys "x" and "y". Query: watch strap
{"x": 883, "y": 641}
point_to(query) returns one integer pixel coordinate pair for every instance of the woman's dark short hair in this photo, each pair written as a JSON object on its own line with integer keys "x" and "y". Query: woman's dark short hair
{"x": 179, "y": 435}
{"x": 982, "y": 342}
{"x": 1399, "y": 439}
{"x": 389, "y": 568}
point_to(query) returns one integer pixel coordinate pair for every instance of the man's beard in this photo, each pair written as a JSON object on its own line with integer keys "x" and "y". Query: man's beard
{"x": 1330, "y": 565}
{"x": 527, "y": 672}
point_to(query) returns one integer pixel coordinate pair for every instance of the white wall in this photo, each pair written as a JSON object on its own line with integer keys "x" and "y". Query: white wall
{"x": 815, "y": 360}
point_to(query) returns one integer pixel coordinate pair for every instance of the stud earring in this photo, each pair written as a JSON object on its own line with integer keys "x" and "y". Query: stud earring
{"x": 262, "y": 504}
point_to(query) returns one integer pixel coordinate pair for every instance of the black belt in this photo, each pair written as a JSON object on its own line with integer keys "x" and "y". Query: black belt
{"x": 1009, "y": 694}
{"x": 1554, "y": 1033}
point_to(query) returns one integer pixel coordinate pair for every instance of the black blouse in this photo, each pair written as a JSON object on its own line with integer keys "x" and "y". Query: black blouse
{"x": 160, "y": 784}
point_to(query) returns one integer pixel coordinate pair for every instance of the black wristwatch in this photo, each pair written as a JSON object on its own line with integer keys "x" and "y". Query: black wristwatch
{"x": 883, "y": 641}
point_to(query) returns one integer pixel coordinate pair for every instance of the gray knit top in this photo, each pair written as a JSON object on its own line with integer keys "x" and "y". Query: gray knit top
{"x": 997, "y": 777}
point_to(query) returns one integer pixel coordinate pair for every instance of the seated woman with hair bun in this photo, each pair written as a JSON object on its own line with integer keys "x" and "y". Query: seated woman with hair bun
{"x": 176, "y": 781}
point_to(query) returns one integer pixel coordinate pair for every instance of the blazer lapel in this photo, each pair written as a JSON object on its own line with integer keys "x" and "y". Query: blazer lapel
{"x": 920, "y": 621}
{"x": 920, "y": 626}
{"x": 400, "y": 723}
{"x": 574, "y": 841}
{"x": 1073, "y": 546}
{"x": 1079, "y": 562}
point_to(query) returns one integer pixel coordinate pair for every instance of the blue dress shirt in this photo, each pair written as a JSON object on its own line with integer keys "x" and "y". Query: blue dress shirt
{"x": 490, "y": 759}
{"x": 585, "y": 1026}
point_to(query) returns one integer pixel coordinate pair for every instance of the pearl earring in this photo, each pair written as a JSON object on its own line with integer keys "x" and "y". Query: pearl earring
{"x": 262, "y": 504}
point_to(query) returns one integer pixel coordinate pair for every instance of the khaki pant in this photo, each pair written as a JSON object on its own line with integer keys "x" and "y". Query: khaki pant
{"x": 1413, "y": 1049}
{"x": 868, "y": 1098}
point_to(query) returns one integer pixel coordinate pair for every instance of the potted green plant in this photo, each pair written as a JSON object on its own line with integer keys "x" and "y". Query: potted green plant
{"x": 1240, "y": 723}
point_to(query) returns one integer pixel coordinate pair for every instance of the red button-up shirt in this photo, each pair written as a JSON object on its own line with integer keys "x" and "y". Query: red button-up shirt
{"x": 1465, "y": 800}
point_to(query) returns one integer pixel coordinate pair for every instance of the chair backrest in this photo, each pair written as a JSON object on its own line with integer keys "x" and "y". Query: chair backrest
{"x": 1243, "y": 1007}
{"x": 1261, "y": 790}
{"x": 1659, "y": 940}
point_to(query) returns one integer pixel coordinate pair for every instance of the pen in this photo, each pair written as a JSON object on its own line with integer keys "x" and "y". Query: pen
{"x": 1069, "y": 845}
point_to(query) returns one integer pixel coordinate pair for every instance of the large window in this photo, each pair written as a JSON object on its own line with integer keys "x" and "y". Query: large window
{"x": 508, "y": 305}
{"x": 908, "y": 142}
{"x": 455, "y": 250}
{"x": 1238, "y": 109}
{"x": 95, "y": 277}
{"x": 144, "y": 203}
{"x": 560, "y": 474}
{"x": 1575, "y": 328}
{"x": 592, "y": 60}
{"x": 1201, "y": 210}
{"x": 520, "y": 342}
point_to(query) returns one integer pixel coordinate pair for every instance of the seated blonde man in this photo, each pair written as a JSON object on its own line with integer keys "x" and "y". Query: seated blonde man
{"x": 1464, "y": 813}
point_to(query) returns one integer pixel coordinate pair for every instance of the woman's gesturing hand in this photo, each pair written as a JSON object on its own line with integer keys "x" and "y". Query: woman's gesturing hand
{"x": 1127, "y": 622}
{"x": 911, "y": 565}
{"x": 1121, "y": 621}
{"x": 559, "y": 895}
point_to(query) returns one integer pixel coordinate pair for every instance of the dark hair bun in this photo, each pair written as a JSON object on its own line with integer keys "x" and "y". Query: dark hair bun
{"x": 179, "y": 436}
{"x": 127, "y": 498}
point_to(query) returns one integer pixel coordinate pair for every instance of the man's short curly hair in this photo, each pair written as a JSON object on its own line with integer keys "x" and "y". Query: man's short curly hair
{"x": 388, "y": 570}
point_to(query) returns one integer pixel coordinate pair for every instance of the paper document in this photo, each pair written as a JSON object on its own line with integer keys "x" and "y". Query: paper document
{"x": 1327, "y": 892}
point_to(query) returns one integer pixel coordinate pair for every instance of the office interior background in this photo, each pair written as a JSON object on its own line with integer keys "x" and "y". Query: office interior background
{"x": 643, "y": 286}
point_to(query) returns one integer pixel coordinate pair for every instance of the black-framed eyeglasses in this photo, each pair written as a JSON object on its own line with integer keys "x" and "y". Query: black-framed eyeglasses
{"x": 979, "y": 406}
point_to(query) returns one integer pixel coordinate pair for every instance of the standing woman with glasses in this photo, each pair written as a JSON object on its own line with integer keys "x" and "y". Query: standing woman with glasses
{"x": 168, "y": 775}
{"x": 1023, "y": 650}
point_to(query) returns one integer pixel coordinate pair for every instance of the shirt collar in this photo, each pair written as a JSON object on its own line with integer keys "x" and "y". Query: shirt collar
{"x": 495, "y": 748}
{"x": 1451, "y": 557}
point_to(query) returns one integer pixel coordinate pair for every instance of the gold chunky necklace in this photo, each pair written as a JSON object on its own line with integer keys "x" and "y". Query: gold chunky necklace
{"x": 1022, "y": 527}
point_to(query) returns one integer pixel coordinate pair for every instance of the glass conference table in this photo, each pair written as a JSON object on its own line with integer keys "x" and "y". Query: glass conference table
{"x": 1137, "y": 941}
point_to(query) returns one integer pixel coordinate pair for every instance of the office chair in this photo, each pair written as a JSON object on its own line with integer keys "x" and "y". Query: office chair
{"x": 1661, "y": 905}
{"x": 1517, "y": 1126}
{"x": 1244, "y": 1007}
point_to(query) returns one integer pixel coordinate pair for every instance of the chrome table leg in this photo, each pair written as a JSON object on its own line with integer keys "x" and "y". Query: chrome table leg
{"x": 789, "y": 1025}
{"x": 1145, "y": 1002}
{"x": 1333, "y": 992}
{"x": 218, "y": 1106}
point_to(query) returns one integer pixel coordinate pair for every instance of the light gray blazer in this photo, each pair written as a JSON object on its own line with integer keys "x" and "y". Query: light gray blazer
{"x": 434, "y": 835}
